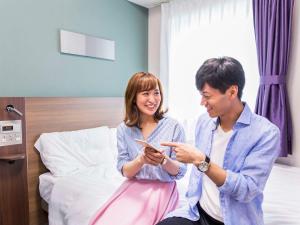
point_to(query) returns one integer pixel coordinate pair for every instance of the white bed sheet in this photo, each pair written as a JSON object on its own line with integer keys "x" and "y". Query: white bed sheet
{"x": 282, "y": 199}
{"x": 74, "y": 199}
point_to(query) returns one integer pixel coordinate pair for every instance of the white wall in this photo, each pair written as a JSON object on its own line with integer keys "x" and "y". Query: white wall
{"x": 293, "y": 80}
{"x": 154, "y": 40}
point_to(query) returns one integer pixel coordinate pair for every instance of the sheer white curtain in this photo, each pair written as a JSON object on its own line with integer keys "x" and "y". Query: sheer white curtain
{"x": 195, "y": 30}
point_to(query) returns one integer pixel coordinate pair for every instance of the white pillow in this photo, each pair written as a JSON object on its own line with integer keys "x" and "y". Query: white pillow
{"x": 65, "y": 153}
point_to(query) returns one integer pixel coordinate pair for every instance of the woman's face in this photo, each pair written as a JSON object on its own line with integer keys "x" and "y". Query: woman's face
{"x": 148, "y": 101}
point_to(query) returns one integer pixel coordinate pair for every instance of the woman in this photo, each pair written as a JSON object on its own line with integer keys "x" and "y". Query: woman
{"x": 150, "y": 191}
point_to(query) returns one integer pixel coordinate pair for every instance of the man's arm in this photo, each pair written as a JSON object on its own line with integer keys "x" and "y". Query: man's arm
{"x": 189, "y": 154}
{"x": 250, "y": 180}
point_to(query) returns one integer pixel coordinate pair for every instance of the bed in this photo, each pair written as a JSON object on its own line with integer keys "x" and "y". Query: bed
{"x": 73, "y": 198}
{"x": 281, "y": 205}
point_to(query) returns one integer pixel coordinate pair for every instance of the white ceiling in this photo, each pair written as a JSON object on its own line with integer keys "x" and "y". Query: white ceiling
{"x": 148, "y": 3}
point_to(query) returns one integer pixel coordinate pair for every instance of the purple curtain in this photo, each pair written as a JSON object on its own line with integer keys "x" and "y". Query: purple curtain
{"x": 272, "y": 24}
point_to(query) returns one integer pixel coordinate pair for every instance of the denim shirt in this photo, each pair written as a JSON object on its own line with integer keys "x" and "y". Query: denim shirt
{"x": 248, "y": 160}
{"x": 167, "y": 129}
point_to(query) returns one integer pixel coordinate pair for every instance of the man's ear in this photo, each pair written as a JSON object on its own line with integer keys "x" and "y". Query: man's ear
{"x": 233, "y": 90}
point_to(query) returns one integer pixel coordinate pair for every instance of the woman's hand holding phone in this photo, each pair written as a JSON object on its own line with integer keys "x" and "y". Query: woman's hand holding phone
{"x": 152, "y": 155}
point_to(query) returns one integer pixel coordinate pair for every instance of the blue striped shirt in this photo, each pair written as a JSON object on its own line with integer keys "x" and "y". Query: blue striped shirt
{"x": 248, "y": 161}
{"x": 167, "y": 129}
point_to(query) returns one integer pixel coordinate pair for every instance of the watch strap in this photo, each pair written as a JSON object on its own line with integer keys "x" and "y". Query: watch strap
{"x": 207, "y": 159}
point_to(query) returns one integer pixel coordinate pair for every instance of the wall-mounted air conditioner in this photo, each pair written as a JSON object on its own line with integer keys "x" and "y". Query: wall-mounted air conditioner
{"x": 148, "y": 3}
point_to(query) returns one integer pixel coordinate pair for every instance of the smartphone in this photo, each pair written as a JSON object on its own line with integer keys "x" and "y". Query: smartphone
{"x": 146, "y": 144}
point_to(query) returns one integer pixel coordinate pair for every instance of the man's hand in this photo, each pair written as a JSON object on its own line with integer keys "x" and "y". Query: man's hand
{"x": 185, "y": 153}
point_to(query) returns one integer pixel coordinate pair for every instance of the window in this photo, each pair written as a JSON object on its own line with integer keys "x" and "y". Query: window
{"x": 216, "y": 28}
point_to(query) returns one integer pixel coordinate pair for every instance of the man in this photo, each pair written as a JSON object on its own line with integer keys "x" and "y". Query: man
{"x": 234, "y": 154}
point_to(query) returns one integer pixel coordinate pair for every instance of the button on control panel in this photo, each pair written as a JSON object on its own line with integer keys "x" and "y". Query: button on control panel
{"x": 10, "y": 132}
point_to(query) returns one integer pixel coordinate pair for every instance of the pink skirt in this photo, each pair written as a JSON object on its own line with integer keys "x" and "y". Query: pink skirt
{"x": 138, "y": 202}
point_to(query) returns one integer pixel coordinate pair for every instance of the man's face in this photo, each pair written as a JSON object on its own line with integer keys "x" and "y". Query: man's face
{"x": 216, "y": 103}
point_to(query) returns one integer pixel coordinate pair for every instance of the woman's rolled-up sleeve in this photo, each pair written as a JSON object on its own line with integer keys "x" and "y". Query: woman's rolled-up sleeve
{"x": 179, "y": 136}
{"x": 123, "y": 155}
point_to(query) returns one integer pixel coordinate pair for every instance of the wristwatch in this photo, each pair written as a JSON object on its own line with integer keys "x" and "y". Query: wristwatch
{"x": 164, "y": 161}
{"x": 204, "y": 165}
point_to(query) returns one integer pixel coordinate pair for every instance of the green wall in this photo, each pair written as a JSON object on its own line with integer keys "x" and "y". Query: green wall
{"x": 30, "y": 61}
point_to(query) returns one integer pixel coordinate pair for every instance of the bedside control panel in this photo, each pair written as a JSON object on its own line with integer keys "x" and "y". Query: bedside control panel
{"x": 10, "y": 132}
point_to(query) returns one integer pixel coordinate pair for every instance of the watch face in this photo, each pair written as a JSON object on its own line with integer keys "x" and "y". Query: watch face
{"x": 203, "y": 166}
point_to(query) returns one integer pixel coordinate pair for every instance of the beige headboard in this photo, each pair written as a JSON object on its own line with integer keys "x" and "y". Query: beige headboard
{"x": 61, "y": 114}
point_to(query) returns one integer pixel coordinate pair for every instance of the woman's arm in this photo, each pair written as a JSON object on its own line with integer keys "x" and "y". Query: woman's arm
{"x": 150, "y": 156}
{"x": 171, "y": 166}
{"x": 131, "y": 168}
{"x": 156, "y": 158}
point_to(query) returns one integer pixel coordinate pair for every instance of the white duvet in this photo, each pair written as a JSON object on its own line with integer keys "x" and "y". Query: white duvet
{"x": 74, "y": 199}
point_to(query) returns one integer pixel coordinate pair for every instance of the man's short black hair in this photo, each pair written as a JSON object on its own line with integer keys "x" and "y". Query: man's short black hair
{"x": 221, "y": 73}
